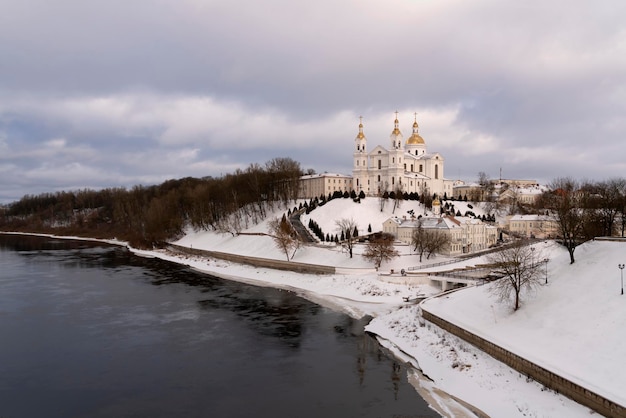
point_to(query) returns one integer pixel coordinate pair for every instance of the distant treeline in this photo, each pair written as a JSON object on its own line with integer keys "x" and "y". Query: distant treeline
{"x": 148, "y": 216}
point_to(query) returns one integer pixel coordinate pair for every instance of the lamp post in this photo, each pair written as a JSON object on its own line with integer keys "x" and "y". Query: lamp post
{"x": 621, "y": 270}
{"x": 545, "y": 260}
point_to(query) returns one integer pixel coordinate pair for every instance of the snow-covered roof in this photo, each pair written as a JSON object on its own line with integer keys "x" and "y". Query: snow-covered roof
{"x": 322, "y": 175}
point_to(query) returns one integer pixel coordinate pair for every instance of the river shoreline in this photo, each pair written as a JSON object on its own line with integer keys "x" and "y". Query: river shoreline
{"x": 437, "y": 399}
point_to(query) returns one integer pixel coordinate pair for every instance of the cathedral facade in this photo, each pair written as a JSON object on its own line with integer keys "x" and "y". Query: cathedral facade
{"x": 406, "y": 166}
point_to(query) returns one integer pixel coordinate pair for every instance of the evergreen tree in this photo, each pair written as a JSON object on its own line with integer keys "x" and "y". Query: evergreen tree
{"x": 362, "y": 195}
{"x": 356, "y": 232}
{"x": 369, "y": 228}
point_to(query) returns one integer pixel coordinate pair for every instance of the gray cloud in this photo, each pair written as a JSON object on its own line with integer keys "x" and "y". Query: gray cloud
{"x": 97, "y": 94}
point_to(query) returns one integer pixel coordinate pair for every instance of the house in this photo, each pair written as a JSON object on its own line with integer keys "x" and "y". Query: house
{"x": 465, "y": 234}
{"x": 316, "y": 185}
{"x": 533, "y": 226}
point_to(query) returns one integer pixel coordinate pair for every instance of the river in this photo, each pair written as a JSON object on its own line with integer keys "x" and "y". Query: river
{"x": 91, "y": 330}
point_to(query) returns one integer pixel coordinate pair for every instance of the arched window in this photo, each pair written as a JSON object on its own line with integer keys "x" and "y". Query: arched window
{"x": 436, "y": 171}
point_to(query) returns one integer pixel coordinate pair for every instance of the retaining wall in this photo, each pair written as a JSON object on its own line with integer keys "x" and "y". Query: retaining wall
{"x": 545, "y": 377}
{"x": 257, "y": 261}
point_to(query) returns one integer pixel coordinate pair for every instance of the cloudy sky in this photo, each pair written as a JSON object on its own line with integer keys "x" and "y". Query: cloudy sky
{"x": 116, "y": 93}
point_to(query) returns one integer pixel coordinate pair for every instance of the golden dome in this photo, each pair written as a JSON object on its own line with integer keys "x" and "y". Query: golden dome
{"x": 360, "y": 135}
{"x": 415, "y": 139}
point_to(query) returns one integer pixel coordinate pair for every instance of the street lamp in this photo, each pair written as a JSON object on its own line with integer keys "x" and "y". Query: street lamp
{"x": 545, "y": 260}
{"x": 621, "y": 270}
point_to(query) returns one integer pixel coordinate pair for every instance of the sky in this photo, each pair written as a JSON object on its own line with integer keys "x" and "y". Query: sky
{"x": 116, "y": 93}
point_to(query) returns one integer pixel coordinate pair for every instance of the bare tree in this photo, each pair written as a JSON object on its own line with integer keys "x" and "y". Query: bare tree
{"x": 382, "y": 196}
{"x": 428, "y": 242}
{"x": 397, "y": 198}
{"x": 565, "y": 202}
{"x": 285, "y": 237}
{"x": 345, "y": 227}
{"x": 380, "y": 249}
{"x": 437, "y": 241}
{"x": 419, "y": 239}
{"x": 521, "y": 268}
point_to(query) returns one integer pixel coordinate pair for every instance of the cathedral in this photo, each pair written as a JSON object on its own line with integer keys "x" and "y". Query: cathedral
{"x": 405, "y": 166}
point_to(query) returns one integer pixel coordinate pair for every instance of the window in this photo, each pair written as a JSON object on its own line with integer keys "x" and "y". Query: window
{"x": 357, "y": 163}
{"x": 393, "y": 160}
{"x": 411, "y": 168}
{"x": 393, "y": 180}
{"x": 379, "y": 164}
{"x": 421, "y": 168}
{"x": 436, "y": 171}
{"x": 379, "y": 178}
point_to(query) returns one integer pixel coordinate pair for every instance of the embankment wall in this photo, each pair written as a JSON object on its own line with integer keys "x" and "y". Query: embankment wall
{"x": 547, "y": 378}
{"x": 257, "y": 261}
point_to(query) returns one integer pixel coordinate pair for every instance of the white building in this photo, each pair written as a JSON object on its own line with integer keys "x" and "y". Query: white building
{"x": 533, "y": 226}
{"x": 406, "y": 166}
{"x": 316, "y": 185}
{"x": 465, "y": 234}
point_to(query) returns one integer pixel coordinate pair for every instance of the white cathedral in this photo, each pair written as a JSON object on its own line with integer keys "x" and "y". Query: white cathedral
{"x": 405, "y": 167}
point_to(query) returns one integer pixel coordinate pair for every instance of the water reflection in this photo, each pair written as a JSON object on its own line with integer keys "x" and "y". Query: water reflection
{"x": 111, "y": 334}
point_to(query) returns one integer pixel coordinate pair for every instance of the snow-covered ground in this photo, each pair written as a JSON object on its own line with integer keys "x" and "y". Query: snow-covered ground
{"x": 557, "y": 326}
{"x": 574, "y": 325}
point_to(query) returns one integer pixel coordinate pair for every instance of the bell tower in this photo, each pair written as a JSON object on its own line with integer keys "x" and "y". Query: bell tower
{"x": 359, "y": 168}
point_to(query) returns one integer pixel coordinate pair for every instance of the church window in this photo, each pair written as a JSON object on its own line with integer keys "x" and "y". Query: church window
{"x": 404, "y": 166}
{"x": 393, "y": 160}
{"x": 411, "y": 168}
{"x": 436, "y": 171}
{"x": 357, "y": 182}
{"x": 379, "y": 164}
{"x": 379, "y": 178}
{"x": 421, "y": 168}
{"x": 393, "y": 180}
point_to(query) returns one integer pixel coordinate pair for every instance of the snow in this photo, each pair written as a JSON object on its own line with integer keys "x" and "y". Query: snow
{"x": 574, "y": 325}
{"x": 571, "y": 326}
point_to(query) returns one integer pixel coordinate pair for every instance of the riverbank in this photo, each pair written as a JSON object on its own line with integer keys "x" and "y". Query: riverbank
{"x": 453, "y": 368}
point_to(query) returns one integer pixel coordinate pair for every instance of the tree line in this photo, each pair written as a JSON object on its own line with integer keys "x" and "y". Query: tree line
{"x": 148, "y": 216}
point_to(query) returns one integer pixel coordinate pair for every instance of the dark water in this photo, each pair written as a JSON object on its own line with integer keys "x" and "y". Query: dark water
{"x": 89, "y": 330}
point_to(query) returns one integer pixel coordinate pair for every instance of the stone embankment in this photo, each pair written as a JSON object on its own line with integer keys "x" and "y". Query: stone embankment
{"x": 257, "y": 261}
{"x": 547, "y": 378}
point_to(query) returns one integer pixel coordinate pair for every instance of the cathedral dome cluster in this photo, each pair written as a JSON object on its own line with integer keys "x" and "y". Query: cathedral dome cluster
{"x": 405, "y": 167}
